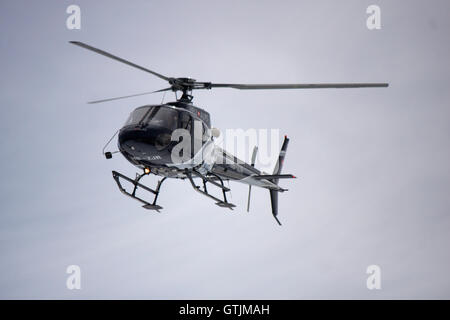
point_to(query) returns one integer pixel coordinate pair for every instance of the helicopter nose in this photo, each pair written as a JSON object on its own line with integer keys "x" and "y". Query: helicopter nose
{"x": 145, "y": 145}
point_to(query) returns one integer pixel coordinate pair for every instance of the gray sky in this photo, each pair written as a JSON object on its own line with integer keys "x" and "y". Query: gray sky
{"x": 373, "y": 170}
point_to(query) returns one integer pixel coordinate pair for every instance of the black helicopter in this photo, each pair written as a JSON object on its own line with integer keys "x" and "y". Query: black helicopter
{"x": 147, "y": 141}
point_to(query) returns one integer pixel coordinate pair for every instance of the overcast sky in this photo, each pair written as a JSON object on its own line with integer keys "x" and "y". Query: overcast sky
{"x": 373, "y": 164}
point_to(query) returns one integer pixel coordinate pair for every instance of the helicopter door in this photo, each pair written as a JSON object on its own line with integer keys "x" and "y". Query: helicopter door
{"x": 186, "y": 123}
{"x": 196, "y": 130}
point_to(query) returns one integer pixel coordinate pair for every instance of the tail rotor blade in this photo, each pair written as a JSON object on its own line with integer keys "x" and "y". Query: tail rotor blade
{"x": 248, "y": 200}
{"x": 255, "y": 151}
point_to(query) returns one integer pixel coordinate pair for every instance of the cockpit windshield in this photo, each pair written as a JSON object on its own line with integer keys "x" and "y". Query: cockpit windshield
{"x": 163, "y": 117}
{"x": 137, "y": 115}
{"x": 160, "y": 116}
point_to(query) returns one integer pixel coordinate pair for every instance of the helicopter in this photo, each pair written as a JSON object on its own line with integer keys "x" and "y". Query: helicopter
{"x": 151, "y": 137}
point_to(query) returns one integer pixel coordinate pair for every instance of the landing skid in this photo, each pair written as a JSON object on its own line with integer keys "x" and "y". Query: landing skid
{"x": 147, "y": 205}
{"x": 221, "y": 203}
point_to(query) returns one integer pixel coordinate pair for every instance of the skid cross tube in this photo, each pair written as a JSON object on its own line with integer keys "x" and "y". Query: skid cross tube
{"x": 224, "y": 189}
{"x": 221, "y": 203}
{"x": 135, "y": 182}
{"x": 221, "y": 185}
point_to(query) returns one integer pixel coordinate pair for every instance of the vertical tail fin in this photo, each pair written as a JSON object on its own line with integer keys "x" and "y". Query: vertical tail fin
{"x": 277, "y": 171}
{"x": 274, "y": 201}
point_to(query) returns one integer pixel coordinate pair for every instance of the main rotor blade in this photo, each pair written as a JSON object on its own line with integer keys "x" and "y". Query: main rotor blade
{"x": 299, "y": 86}
{"x": 130, "y": 96}
{"x": 109, "y": 55}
